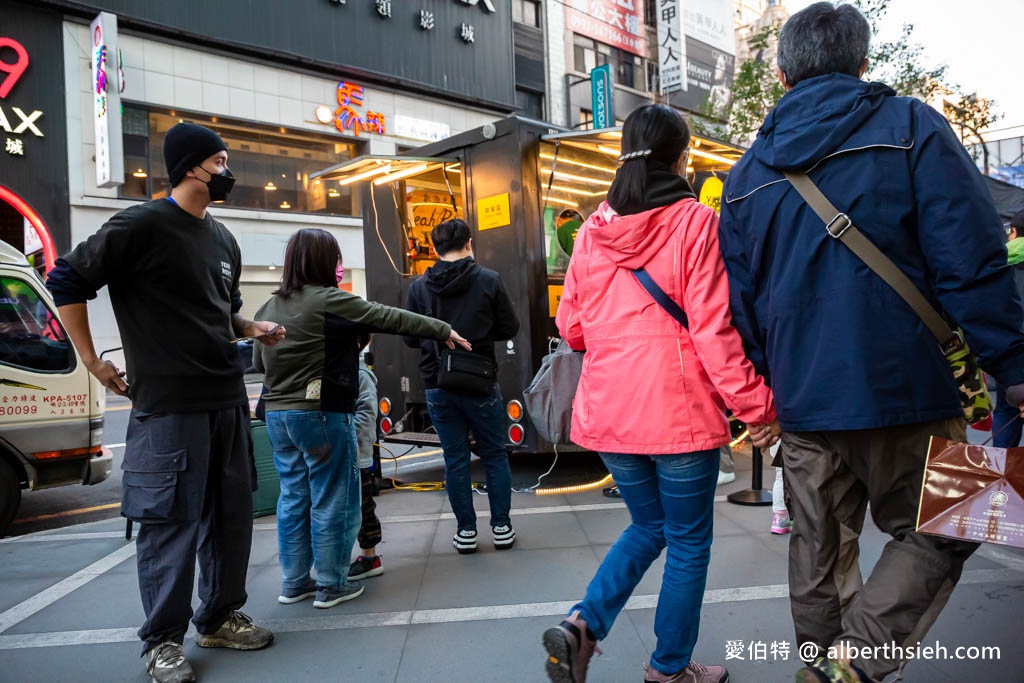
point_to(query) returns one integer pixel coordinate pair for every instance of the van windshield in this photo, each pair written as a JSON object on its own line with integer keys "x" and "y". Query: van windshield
{"x": 31, "y": 337}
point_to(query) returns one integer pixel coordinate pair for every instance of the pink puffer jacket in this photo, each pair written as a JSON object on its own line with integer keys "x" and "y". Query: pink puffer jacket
{"x": 649, "y": 386}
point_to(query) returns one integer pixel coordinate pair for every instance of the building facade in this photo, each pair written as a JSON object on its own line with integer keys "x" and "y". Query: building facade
{"x": 293, "y": 89}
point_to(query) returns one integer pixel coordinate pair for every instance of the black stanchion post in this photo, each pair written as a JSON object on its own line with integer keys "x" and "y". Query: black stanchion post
{"x": 755, "y": 495}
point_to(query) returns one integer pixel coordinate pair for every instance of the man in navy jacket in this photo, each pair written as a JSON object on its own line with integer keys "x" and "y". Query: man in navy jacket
{"x": 860, "y": 383}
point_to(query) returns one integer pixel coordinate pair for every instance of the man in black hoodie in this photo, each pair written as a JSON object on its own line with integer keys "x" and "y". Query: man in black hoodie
{"x": 457, "y": 290}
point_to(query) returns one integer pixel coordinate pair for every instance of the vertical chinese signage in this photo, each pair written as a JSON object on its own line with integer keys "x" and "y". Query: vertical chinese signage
{"x": 601, "y": 96}
{"x": 618, "y": 23}
{"x": 671, "y": 48}
{"x": 710, "y": 53}
{"x": 106, "y": 100}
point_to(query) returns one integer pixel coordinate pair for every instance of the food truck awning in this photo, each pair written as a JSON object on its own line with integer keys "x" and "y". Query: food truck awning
{"x": 609, "y": 141}
{"x": 382, "y": 169}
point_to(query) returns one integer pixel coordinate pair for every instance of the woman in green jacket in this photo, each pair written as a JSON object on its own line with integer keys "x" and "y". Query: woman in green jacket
{"x": 312, "y": 385}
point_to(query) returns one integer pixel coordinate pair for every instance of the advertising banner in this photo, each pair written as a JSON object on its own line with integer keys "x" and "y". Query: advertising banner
{"x": 710, "y": 54}
{"x": 619, "y": 23}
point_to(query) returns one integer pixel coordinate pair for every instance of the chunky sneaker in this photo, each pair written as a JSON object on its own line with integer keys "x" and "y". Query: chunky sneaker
{"x": 570, "y": 648}
{"x": 694, "y": 673}
{"x": 364, "y": 568}
{"x": 237, "y": 633}
{"x": 725, "y": 478}
{"x": 781, "y": 523}
{"x": 329, "y": 596}
{"x": 823, "y": 670}
{"x": 504, "y": 537}
{"x": 465, "y": 541}
{"x": 289, "y": 596}
{"x": 166, "y": 663}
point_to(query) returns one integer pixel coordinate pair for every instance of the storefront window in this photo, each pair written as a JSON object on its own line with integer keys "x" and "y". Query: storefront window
{"x": 271, "y": 165}
{"x": 430, "y": 198}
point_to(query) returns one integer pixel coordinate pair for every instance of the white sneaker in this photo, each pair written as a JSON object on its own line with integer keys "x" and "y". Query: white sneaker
{"x": 504, "y": 537}
{"x": 465, "y": 542}
{"x": 726, "y": 478}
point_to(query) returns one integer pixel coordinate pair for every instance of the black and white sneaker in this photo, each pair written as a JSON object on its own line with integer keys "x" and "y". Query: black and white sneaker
{"x": 166, "y": 663}
{"x": 504, "y": 537}
{"x": 465, "y": 541}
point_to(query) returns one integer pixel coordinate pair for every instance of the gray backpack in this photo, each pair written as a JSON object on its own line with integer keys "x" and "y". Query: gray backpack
{"x": 548, "y": 399}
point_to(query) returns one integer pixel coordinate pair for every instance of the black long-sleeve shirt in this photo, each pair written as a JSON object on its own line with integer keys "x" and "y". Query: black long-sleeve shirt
{"x": 174, "y": 285}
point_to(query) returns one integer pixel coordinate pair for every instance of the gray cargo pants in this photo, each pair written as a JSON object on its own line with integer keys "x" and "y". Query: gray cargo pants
{"x": 187, "y": 481}
{"x": 830, "y": 479}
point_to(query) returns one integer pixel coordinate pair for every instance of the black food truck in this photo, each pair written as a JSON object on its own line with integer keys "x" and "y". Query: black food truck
{"x": 524, "y": 187}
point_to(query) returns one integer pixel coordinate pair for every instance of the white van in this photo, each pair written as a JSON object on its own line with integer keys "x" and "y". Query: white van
{"x": 51, "y": 408}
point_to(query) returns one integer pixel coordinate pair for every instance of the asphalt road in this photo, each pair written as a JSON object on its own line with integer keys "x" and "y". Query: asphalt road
{"x": 68, "y": 505}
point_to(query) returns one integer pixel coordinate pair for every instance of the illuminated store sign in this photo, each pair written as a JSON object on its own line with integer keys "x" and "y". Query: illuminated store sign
{"x": 106, "y": 100}
{"x": 346, "y": 117}
{"x": 17, "y": 122}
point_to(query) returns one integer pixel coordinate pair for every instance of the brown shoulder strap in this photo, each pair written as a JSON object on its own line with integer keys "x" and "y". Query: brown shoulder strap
{"x": 840, "y": 227}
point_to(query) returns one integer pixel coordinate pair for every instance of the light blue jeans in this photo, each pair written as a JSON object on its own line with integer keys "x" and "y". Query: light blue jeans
{"x": 318, "y": 513}
{"x": 670, "y": 499}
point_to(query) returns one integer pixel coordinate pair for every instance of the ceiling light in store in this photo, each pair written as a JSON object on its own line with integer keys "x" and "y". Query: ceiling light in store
{"x": 713, "y": 157}
{"x": 270, "y": 186}
{"x": 582, "y": 179}
{"x": 386, "y": 168}
{"x": 398, "y": 175}
{"x": 608, "y": 150}
{"x": 453, "y": 169}
{"x": 577, "y": 191}
{"x": 566, "y": 202}
{"x": 333, "y": 192}
{"x": 563, "y": 160}
{"x": 285, "y": 205}
{"x": 139, "y": 174}
{"x": 689, "y": 169}
{"x": 696, "y": 143}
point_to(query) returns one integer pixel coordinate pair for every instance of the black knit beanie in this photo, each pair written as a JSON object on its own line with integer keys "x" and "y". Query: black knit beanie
{"x": 187, "y": 145}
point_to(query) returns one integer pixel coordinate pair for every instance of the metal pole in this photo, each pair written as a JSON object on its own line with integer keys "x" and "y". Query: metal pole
{"x": 755, "y": 495}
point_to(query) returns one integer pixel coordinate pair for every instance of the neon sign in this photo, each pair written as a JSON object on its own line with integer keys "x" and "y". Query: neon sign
{"x": 347, "y": 117}
{"x": 14, "y": 71}
{"x": 24, "y": 122}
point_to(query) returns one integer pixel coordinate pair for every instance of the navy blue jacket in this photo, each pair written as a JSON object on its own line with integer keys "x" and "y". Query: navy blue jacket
{"x": 840, "y": 349}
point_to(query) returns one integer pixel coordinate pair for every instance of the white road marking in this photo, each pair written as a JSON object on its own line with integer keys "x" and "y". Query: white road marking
{"x": 446, "y": 616}
{"x": 41, "y": 601}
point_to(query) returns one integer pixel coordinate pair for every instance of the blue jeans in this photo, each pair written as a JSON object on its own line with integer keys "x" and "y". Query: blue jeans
{"x": 670, "y": 499}
{"x": 1002, "y": 415}
{"x": 318, "y": 513}
{"x": 453, "y": 416}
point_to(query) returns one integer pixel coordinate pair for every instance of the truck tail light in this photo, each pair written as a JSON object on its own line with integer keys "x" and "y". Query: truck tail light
{"x": 385, "y": 425}
{"x": 91, "y": 451}
{"x": 516, "y": 434}
{"x": 514, "y": 410}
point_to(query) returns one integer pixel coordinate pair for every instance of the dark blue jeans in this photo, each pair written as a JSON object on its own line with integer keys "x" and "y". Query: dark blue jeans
{"x": 671, "y": 502}
{"x": 318, "y": 512}
{"x": 1002, "y": 415}
{"x": 453, "y": 416}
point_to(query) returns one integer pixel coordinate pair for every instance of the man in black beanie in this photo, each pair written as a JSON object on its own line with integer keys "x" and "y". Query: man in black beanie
{"x": 173, "y": 275}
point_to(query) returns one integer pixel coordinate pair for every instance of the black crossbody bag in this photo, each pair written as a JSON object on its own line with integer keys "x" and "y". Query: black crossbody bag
{"x": 464, "y": 372}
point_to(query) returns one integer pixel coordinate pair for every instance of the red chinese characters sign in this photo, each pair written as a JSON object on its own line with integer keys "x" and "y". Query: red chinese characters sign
{"x": 347, "y": 117}
{"x": 619, "y": 23}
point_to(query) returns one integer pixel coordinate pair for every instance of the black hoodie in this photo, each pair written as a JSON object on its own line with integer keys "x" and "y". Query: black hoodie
{"x": 471, "y": 299}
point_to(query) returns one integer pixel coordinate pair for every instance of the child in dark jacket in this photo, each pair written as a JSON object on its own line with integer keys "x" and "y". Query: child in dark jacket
{"x": 368, "y": 562}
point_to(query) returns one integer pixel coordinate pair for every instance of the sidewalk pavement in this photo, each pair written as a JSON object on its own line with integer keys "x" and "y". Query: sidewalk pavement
{"x": 69, "y": 603}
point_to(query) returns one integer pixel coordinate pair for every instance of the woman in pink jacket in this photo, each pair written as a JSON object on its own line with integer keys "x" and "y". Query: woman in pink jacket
{"x": 653, "y": 393}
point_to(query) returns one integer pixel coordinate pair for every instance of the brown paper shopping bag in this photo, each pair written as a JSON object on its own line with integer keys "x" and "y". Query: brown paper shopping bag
{"x": 973, "y": 493}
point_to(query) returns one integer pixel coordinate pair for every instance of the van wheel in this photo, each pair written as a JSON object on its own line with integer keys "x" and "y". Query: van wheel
{"x": 10, "y": 496}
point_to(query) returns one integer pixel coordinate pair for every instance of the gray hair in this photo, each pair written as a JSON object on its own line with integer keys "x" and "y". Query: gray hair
{"x": 822, "y": 39}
